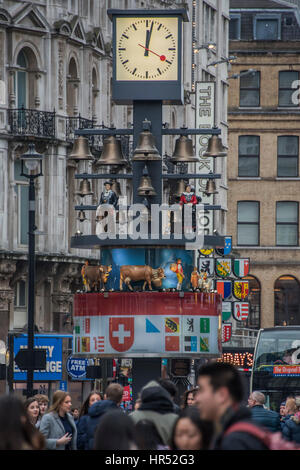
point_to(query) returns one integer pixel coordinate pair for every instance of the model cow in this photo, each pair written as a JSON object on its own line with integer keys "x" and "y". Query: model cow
{"x": 95, "y": 277}
{"x": 141, "y": 273}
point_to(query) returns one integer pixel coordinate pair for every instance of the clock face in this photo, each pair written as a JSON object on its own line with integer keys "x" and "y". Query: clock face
{"x": 147, "y": 48}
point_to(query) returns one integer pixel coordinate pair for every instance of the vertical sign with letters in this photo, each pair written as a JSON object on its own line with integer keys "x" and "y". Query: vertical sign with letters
{"x": 205, "y": 115}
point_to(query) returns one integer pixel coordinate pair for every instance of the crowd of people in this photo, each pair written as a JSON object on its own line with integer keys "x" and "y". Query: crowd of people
{"x": 211, "y": 417}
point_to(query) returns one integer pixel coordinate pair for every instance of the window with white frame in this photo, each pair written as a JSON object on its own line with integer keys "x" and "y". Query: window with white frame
{"x": 287, "y": 155}
{"x": 248, "y": 223}
{"x": 287, "y": 221}
{"x": 286, "y": 89}
{"x": 21, "y": 189}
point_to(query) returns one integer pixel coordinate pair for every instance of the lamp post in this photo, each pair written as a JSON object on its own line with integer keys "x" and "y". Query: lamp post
{"x": 33, "y": 162}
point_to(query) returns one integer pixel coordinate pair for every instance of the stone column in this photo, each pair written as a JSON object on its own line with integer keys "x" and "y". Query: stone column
{"x": 7, "y": 269}
{"x": 62, "y": 297}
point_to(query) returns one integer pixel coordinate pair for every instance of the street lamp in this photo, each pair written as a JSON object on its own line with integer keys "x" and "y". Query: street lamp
{"x": 33, "y": 162}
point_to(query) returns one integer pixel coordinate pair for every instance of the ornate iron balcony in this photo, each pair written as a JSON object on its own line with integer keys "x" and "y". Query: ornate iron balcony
{"x": 31, "y": 122}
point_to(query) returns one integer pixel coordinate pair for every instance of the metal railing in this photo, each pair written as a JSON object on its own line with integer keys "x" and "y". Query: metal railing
{"x": 31, "y": 122}
{"x": 242, "y": 337}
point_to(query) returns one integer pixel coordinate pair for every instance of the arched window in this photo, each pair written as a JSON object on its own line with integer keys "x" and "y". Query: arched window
{"x": 253, "y": 320}
{"x": 22, "y": 80}
{"x": 72, "y": 88}
{"x": 287, "y": 301}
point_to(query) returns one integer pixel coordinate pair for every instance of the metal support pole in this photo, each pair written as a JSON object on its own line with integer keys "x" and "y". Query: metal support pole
{"x": 31, "y": 284}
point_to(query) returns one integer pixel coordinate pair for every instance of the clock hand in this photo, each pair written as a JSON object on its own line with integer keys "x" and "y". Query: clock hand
{"x": 148, "y": 37}
{"x": 162, "y": 57}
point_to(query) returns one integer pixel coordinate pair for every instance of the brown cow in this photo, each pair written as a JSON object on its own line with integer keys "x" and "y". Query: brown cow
{"x": 141, "y": 273}
{"x": 95, "y": 277}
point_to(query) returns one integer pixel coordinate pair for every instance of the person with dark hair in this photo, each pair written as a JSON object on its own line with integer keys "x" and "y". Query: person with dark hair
{"x": 191, "y": 432}
{"x": 82, "y": 440}
{"x": 58, "y": 425}
{"x": 147, "y": 436}
{"x": 113, "y": 399}
{"x": 173, "y": 391}
{"x": 157, "y": 406}
{"x": 33, "y": 411}
{"x": 188, "y": 398}
{"x": 115, "y": 432}
{"x": 218, "y": 398}
{"x": 16, "y": 431}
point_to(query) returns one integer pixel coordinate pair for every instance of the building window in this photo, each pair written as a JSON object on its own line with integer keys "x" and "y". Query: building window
{"x": 248, "y": 223}
{"x": 287, "y": 156}
{"x": 253, "y": 320}
{"x": 267, "y": 28}
{"x": 20, "y": 294}
{"x": 250, "y": 90}
{"x": 249, "y": 155}
{"x": 286, "y": 90}
{"x": 287, "y": 301}
{"x": 235, "y": 27}
{"x": 21, "y": 189}
{"x": 209, "y": 24}
{"x": 287, "y": 223}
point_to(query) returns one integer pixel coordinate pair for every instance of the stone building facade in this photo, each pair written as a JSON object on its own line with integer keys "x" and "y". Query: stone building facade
{"x": 55, "y": 76}
{"x": 263, "y": 163}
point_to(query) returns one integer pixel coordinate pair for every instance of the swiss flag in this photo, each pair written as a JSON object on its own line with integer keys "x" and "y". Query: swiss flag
{"x": 121, "y": 333}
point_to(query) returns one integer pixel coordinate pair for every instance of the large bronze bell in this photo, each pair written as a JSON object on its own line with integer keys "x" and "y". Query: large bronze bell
{"x": 215, "y": 148}
{"x": 183, "y": 151}
{"x": 111, "y": 153}
{"x": 211, "y": 187}
{"x": 81, "y": 150}
{"x": 84, "y": 189}
{"x": 145, "y": 149}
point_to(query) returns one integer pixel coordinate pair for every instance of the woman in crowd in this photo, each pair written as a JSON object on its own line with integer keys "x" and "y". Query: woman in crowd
{"x": 43, "y": 401}
{"x": 147, "y": 436}
{"x": 290, "y": 428}
{"x": 33, "y": 411}
{"x": 116, "y": 431}
{"x": 16, "y": 431}
{"x": 58, "y": 425}
{"x": 188, "y": 398}
{"x": 82, "y": 439}
{"x": 190, "y": 432}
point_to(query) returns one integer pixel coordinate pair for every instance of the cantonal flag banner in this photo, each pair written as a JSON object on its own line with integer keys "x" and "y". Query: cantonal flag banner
{"x": 226, "y": 331}
{"x": 241, "y": 310}
{"x": 224, "y": 288}
{"x": 241, "y": 267}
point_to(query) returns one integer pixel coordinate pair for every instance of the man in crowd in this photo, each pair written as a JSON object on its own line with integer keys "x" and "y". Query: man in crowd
{"x": 260, "y": 415}
{"x": 218, "y": 398}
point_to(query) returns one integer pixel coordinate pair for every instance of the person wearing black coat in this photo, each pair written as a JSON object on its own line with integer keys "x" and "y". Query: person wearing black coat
{"x": 93, "y": 397}
{"x": 267, "y": 419}
{"x": 113, "y": 395}
{"x": 291, "y": 426}
{"x": 218, "y": 398}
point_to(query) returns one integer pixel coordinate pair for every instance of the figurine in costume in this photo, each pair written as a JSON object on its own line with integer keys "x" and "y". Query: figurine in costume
{"x": 108, "y": 196}
{"x": 188, "y": 196}
{"x": 177, "y": 268}
{"x": 195, "y": 279}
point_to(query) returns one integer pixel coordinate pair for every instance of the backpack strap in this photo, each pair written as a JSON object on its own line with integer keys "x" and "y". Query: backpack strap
{"x": 250, "y": 428}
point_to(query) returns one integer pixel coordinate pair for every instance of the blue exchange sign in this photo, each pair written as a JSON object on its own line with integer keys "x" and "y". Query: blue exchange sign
{"x": 76, "y": 367}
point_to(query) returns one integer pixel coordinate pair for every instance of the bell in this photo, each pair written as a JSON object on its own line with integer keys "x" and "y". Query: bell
{"x": 111, "y": 153}
{"x": 145, "y": 188}
{"x": 210, "y": 187}
{"x": 81, "y": 216}
{"x": 179, "y": 188}
{"x": 116, "y": 187}
{"x": 81, "y": 150}
{"x": 183, "y": 151}
{"x": 85, "y": 189}
{"x": 215, "y": 148}
{"x": 146, "y": 149}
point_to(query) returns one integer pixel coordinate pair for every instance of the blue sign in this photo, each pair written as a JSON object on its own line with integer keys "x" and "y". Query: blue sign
{"x": 76, "y": 367}
{"x": 53, "y": 346}
{"x": 63, "y": 385}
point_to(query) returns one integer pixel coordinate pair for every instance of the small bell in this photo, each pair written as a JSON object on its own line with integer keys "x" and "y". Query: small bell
{"x": 81, "y": 216}
{"x": 145, "y": 188}
{"x": 210, "y": 187}
{"x": 215, "y": 148}
{"x": 81, "y": 150}
{"x": 145, "y": 149}
{"x": 179, "y": 188}
{"x": 111, "y": 153}
{"x": 85, "y": 189}
{"x": 183, "y": 151}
